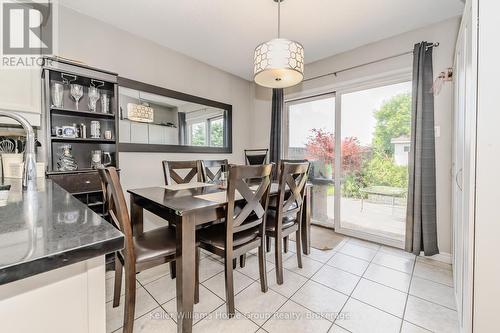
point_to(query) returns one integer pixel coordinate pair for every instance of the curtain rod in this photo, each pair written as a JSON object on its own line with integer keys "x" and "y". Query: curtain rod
{"x": 429, "y": 45}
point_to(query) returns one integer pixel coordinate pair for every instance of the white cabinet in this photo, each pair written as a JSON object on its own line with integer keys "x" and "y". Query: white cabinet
{"x": 124, "y": 131}
{"x": 156, "y": 134}
{"x": 138, "y": 132}
{"x": 171, "y": 136}
{"x": 20, "y": 91}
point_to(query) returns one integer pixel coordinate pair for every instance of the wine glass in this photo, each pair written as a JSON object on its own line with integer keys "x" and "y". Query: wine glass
{"x": 93, "y": 98}
{"x": 76, "y": 92}
{"x": 57, "y": 91}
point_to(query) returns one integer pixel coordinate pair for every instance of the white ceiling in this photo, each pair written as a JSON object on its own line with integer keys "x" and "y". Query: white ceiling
{"x": 224, "y": 33}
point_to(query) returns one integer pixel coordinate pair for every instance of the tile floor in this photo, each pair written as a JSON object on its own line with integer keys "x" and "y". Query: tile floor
{"x": 357, "y": 287}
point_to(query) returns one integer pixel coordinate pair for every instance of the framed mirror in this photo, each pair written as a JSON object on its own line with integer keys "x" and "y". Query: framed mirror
{"x": 155, "y": 119}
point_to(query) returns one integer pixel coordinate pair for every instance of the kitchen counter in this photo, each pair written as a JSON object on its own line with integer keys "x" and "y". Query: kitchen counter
{"x": 47, "y": 229}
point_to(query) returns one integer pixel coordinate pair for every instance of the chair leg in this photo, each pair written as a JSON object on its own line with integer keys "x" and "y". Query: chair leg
{"x": 229, "y": 285}
{"x": 268, "y": 244}
{"x": 262, "y": 268}
{"x": 128, "y": 322}
{"x": 285, "y": 244}
{"x": 243, "y": 258}
{"x": 298, "y": 242}
{"x": 172, "y": 269}
{"x": 197, "y": 278}
{"x": 118, "y": 281}
{"x": 278, "y": 248}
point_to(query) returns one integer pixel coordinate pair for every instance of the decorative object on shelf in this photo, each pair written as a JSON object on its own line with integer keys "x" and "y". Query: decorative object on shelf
{"x": 105, "y": 99}
{"x": 95, "y": 129}
{"x": 57, "y": 92}
{"x": 142, "y": 113}
{"x": 83, "y": 131}
{"x": 76, "y": 92}
{"x": 95, "y": 159}
{"x": 65, "y": 131}
{"x": 94, "y": 96}
{"x": 66, "y": 161}
{"x": 279, "y": 63}
{"x": 106, "y": 158}
{"x": 108, "y": 135}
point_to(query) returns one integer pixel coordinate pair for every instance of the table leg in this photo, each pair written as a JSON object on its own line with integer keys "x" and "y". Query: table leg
{"x": 185, "y": 267}
{"x": 306, "y": 222}
{"x": 136, "y": 215}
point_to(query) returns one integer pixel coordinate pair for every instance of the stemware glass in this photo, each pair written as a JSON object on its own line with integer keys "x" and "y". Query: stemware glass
{"x": 76, "y": 92}
{"x": 93, "y": 98}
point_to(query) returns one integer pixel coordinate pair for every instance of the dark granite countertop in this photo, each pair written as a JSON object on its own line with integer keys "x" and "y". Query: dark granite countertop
{"x": 48, "y": 228}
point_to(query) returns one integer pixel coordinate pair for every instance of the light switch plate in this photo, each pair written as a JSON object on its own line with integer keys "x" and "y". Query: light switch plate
{"x": 437, "y": 131}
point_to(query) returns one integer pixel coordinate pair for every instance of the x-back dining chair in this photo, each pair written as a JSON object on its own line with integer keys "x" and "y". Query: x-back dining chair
{"x": 191, "y": 168}
{"x": 287, "y": 216}
{"x": 212, "y": 170}
{"x": 256, "y": 156}
{"x": 147, "y": 250}
{"x": 244, "y": 227}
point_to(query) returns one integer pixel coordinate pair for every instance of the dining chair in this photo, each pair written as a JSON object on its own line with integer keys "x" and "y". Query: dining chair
{"x": 191, "y": 169}
{"x": 147, "y": 250}
{"x": 256, "y": 156}
{"x": 244, "y": 227}
{"x": 212, "y": 170}
{"x": 287, "y": 217}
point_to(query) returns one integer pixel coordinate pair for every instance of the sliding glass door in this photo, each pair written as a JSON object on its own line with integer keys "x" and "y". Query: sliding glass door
{"x": 374, "y": 148}
{"x": 309, "y": 133}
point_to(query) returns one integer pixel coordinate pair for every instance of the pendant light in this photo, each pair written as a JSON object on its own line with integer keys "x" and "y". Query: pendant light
{"x": 279, "y": 63}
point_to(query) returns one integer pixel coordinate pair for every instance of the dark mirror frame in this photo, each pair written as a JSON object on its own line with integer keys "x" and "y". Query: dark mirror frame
{"x": 161, "y": 148}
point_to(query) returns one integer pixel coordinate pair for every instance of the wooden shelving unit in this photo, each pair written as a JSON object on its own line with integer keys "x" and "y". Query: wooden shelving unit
{"x": 83, "y": 183}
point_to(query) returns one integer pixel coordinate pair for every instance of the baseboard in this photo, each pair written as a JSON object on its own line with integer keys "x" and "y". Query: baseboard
{"x": 442, "y": 257}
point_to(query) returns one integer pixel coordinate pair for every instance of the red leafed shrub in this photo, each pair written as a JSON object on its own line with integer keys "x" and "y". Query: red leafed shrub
{"x": 321, "y": 146}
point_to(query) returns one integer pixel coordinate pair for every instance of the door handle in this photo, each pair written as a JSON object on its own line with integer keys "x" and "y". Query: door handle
{"x": 456, "y": 179}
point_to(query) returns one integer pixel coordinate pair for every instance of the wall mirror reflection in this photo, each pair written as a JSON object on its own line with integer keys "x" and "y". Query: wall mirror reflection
{"x": 155, "y": 119}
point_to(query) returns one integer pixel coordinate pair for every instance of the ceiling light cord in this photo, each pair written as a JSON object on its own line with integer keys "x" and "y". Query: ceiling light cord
{"x": 279, "y": 18}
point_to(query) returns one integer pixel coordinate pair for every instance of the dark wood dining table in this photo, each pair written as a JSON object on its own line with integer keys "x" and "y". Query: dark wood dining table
{"x": 184, "y": 209}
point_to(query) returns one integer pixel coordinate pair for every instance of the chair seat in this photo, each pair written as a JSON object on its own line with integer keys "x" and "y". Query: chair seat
{"x": 215, "y": 236}
{"x": 155, "y": 244}
{"x": 288, "y": 221}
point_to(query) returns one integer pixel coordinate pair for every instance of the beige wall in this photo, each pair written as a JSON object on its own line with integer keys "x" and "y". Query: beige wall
{"x": 445, "y": 33}
{"x": 101, "y": 45}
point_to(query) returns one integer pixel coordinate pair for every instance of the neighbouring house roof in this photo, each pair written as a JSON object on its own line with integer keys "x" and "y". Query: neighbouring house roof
{"x": 401, "y": 139}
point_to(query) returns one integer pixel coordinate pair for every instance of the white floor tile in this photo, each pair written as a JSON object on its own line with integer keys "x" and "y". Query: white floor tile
{"x": 433, "y": 291}
{"x": 434, "y": 273}
{"x": 293, "y": 317}
{"x": 209, "y": 267}
{"x": 358, "y": 251}
{"x": 309, "y": 266}
{"x": 217, "y": 284}
{"x": 347, "y": 263}
{"x": 397, "y": 252}
{"x": 110, "y": 285}
{"x": 388, "y": 277}
{"x": 336, "y": 279}
{"x": 359, "y": 317}
{"x": 410, "y": 328}
{"x": 431, "y": 316}
{"x": 153, "y": 273}
{"x": 208, "y": 303}
{"x": 381, "y": 297}
{"x": 162, "y": 289}
{"x": 156, "y": 321}
{"x": 320, "y": 255}
{"x": 363, "y": 243}
{"x": 271, "y": 257}
{"x": 394, "y": 262}
{"x": 114, "y": 316}
{"x": 219, "y": 322}
{"x": 320, "y": 299}
{"x": 251, "y": 268}
{"x": 256, "y": 305}
{"x": 291, "y": 282}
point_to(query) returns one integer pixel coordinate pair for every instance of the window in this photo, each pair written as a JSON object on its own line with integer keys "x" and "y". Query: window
{"x": 216, "y": 130}
{"x": 207, "y": 133}
{"x": 198, "y": 134}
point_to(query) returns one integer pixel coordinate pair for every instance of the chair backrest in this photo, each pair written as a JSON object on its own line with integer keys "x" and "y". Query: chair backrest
{"x": 256, "y": 156}
{"x": 170, "y": 171}
{"x": 290, "y": 200}
{"x": 212, "y": 170}
{"x": 252, "y": 209}
{"x": 118, "y": 208}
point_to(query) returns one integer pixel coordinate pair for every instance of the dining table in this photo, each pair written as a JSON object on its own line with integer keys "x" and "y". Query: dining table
{"x": 189, "y": 207}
